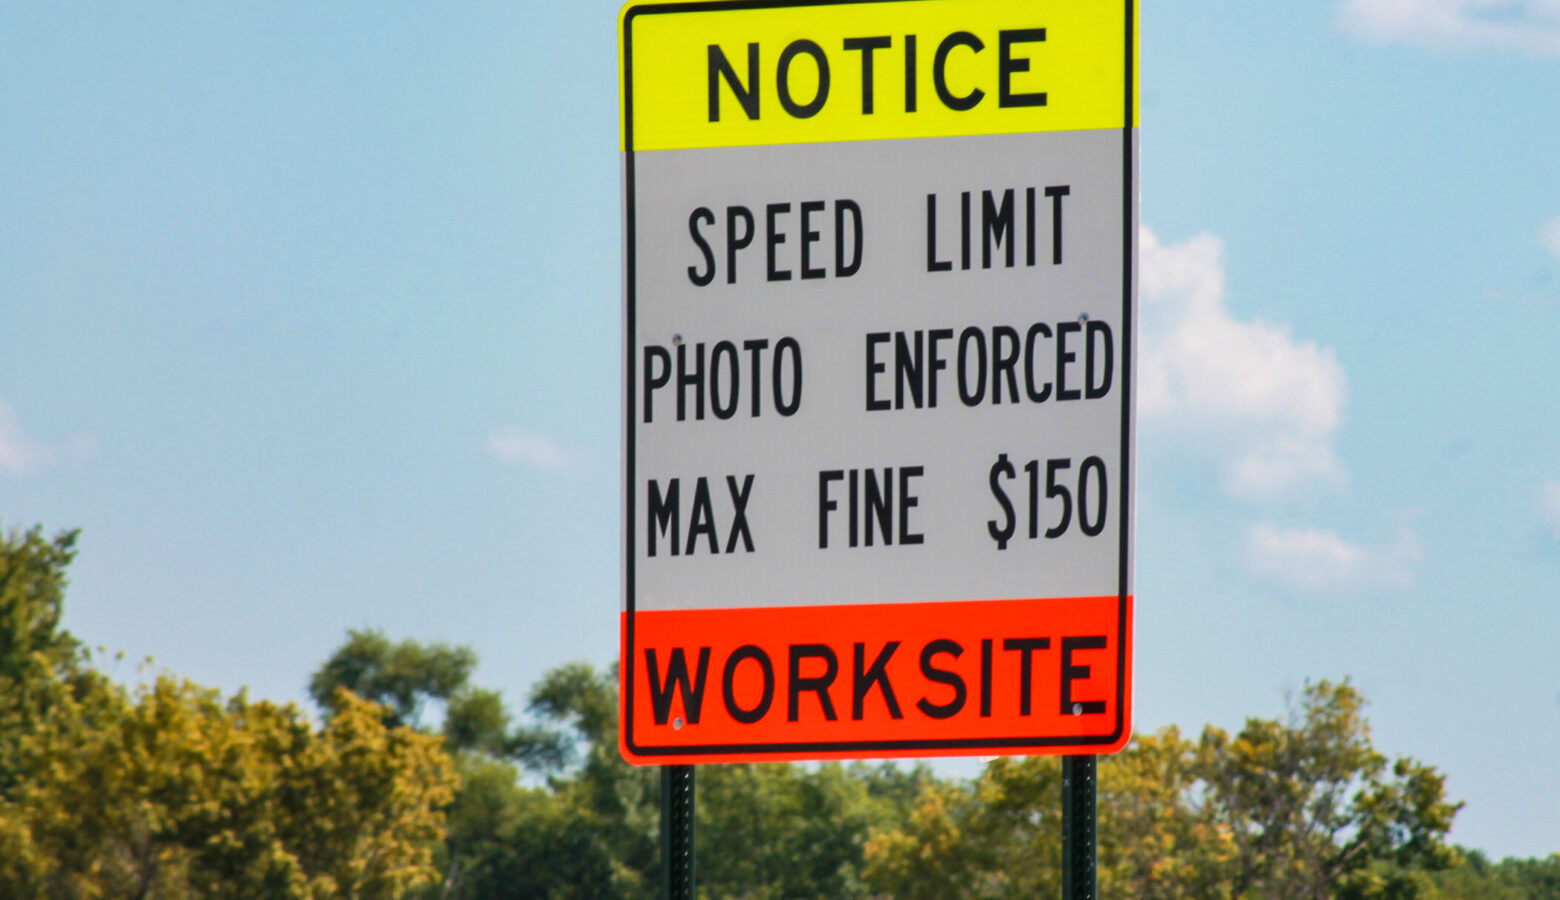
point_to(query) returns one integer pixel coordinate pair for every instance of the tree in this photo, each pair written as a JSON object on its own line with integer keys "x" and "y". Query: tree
{"x": 38, "y": 659}
{"x": 775, "y": 830}
{"x": 1315, "y": 811}
{"x": 590, "y": 833}
{"x": 32, "y": 601}
{"x": 1474, "y": 877}
{"x": 1158, "y": 839}
{"x": 174, "y": 793}
{"x": 1304, "y": 809}
{"x": 617, "y": 803}
{"x": 951, "y": 846}
{"x": 1002, "y": 836}
{"x": 489, "y": 849}
{"x": 171, "y": 792}
{"x": 765, "y": 831}
{"x": 406, "y": 678}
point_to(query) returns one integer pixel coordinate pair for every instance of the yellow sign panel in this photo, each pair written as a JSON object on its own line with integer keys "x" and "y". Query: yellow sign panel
{"x": 734, "y": 74}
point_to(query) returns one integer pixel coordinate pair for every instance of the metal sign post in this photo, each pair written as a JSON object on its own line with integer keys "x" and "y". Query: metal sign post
{"x": 1079, "y": 835}
{"x": 678, "y": 881}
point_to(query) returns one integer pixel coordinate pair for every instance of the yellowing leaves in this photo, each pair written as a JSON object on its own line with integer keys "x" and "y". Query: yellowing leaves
{"x": 1284, "y": 810}
{"x": 171, "y": 791}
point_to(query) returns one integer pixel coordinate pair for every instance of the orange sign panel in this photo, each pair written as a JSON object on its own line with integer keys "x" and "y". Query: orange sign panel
{"x": 911, "y": 679}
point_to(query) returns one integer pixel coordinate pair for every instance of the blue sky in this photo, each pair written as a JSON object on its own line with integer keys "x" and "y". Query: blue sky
{"x": 309, "y": 318}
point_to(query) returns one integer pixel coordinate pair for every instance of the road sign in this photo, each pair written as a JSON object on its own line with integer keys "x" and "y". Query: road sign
{"x": 878, "y": 326}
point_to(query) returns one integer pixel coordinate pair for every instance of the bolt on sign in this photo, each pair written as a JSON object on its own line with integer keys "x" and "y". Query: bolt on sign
{"x": 879, "y": 319}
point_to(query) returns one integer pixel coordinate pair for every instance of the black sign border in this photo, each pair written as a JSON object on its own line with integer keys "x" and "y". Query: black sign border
{"x": 647, "y": 753}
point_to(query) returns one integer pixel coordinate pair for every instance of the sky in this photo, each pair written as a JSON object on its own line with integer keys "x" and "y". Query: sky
{"x": 310, "y": 321}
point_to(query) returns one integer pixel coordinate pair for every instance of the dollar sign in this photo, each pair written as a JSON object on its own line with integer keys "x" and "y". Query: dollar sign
{"x": 1003, "y": 534}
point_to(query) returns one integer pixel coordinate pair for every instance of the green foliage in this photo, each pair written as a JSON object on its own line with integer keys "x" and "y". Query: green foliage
{"x": 1001, "y": 836}
{"x": 170, "y": 792}
{"x": 941, "y": 850}
{"x": 1473, "y": 877}
{"x": 590, "y": 833}
{"x": 1299, "y": 808}
{"x": 32, "y": 600}
{"x": 775, "y": 831}
{"x": 402, "y": 677}
{"x": 769, "y": 831}
{"x": 38, "y": 659}
{"x": 1304, "y": 808}
{"x": 1312, "y": 806}
{"x": 1159, "y": 839}
{"x": 405, "y": 678}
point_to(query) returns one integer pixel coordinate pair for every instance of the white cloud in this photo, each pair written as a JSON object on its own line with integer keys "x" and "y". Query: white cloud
{"x": 527, "y": 448}
{"x": 20, "y": 454}
{"x": 1267, "y": 403}
{"x": 1315, "y": 561}
{"x": 1549, "y": 502}
{"x": 1549, "y": 236}
{"x": 1522, "y": 26}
